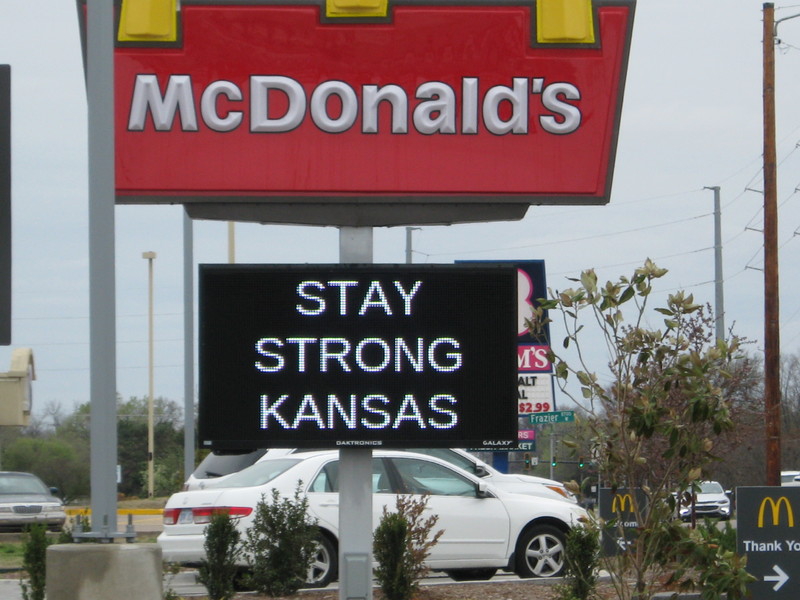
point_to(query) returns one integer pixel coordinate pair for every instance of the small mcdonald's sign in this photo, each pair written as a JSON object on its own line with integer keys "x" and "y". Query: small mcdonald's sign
{"x": 623, "y": 507}
{"x": 766, "y": 533}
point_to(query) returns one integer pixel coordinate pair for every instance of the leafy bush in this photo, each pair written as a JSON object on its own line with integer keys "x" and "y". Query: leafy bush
{"x": 654, "y": 415}
{"x": 280, "y": 545}
{"x": 222, "y": 545}
{"x": 401, "y": 544}
{"x": 583, "y": 559}
{"x": 33, "y": 562}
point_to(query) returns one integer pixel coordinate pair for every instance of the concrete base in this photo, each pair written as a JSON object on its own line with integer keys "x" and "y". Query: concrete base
{"x": 104, "y": 571}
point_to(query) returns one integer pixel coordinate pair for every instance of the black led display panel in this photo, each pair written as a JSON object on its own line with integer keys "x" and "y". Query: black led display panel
{"x": 357, "y": 355}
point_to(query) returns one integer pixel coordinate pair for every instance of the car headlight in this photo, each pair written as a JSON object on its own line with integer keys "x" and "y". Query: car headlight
{"x": 6, "y": 509}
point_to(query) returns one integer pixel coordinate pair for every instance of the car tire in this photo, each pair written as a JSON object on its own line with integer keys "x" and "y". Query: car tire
{"x": 471, "y": 574}
{"x": 325, "y": 564}
{"x": 540, "y": 552}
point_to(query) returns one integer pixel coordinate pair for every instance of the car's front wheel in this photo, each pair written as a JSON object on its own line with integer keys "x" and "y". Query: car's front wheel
{"x": 540, "y": 552}
{"x": 324, "y": 567}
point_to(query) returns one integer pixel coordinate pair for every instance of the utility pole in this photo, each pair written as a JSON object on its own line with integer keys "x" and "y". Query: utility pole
{"x": 772, "y": 345}
{"x": 772, "y": 400}
{"x": 719, "y": 296}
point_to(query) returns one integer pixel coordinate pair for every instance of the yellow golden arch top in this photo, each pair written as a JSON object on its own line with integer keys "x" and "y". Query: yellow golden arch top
{"x": 558, "y": 21}
{"x": 621, "y": 501}
{"x": 776, "y": 510}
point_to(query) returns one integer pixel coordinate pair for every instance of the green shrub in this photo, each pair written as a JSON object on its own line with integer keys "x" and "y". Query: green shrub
{"x": 222, "y": 545}
{"x": 582, "y": 551}
{"x": 401, "y": 544}
{"x": 393, "y": 572}
{"x": 280, "y": 545}
{"x": 33, "y": 562}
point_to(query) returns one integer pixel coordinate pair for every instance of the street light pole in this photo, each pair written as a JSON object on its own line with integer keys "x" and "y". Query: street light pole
{"x": 150, "y": 256}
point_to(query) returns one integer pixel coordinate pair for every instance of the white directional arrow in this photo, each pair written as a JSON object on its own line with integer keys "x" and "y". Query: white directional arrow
{"x": 780, "y": 578}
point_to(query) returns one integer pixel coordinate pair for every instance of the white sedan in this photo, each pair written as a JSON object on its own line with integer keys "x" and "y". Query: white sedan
{"x": 485, "y": 528}
{"x": 218, "y": 467}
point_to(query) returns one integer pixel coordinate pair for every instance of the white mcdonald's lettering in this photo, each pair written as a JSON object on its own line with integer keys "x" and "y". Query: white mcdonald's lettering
{"x": 334, "y": 106}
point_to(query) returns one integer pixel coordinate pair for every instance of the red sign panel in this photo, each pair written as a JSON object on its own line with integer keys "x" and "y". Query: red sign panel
{"x": 454, "y": 102}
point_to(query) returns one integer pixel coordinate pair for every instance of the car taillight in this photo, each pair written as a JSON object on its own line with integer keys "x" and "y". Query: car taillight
{"x": 171, "y": 515}
{"x": 203, "y": 515}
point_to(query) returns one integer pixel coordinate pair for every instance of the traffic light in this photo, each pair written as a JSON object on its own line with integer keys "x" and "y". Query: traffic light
{"x": 580, "y": 462}
{"x": 527, "y": 461}
{"x": 554, "y": 462}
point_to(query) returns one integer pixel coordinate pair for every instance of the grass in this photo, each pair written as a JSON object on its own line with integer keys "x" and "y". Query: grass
{"x": 11, "y": 554}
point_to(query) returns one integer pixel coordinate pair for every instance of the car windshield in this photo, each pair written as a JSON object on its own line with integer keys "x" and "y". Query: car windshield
{"x": 257, "y": 474}
{"x": 711, "y": 487}
{"x": 21, "y": 484}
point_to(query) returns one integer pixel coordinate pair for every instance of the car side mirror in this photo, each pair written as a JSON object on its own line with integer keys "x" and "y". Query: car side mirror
{"x": 481, "y": 471}
{"x": 482, "y": 490}
{"x": 54, "y": 491}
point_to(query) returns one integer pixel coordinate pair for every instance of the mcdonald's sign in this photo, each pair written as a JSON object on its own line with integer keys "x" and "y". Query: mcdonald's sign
{"x": 766, "y": 535}
{"x": 250, "y": 108}
{"x": 621, "y": 506}
{"x": 775, "y": 506}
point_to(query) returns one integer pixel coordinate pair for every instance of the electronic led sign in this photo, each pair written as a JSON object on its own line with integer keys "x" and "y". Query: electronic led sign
{"x": 357, "y": 355}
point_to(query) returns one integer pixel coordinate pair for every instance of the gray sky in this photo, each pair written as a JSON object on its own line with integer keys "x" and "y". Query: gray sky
{"x": 691, "y": 118}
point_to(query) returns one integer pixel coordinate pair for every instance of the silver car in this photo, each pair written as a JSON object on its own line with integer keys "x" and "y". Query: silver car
{"x": 25, "y": 499}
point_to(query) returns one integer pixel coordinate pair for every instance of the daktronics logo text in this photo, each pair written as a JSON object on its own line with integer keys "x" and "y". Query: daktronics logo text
{"x": 775, "y": 506}
{"x": 280, "y": 104}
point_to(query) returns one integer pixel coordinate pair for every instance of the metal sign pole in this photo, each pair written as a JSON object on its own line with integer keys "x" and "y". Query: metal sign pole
{"x": 5, "y": 205}
{"x": 355, "y": 470}
{"x": 102, "y": 311}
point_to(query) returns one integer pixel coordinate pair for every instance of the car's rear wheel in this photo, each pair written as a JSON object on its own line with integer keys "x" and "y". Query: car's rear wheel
{"x": 324, "y": 567}
{"x": 540, "y": 552}
{"x": 471, "y": 574}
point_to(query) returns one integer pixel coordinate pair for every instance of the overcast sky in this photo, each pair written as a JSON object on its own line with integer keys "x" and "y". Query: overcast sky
{"x": 691, "y": 119}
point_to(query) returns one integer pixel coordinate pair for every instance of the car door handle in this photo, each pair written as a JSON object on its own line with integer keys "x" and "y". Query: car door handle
{"x": 327, "y": 504}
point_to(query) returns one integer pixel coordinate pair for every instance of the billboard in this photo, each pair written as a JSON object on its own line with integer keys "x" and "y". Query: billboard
{"x": 357, "y": 355}
{"x": 427, "y": 112}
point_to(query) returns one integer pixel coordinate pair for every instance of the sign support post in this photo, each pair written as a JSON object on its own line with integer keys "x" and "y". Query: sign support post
{"x": 355, "y": 469}
{"x": 102, "y": 325}
{"x": 5, "y": 205}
